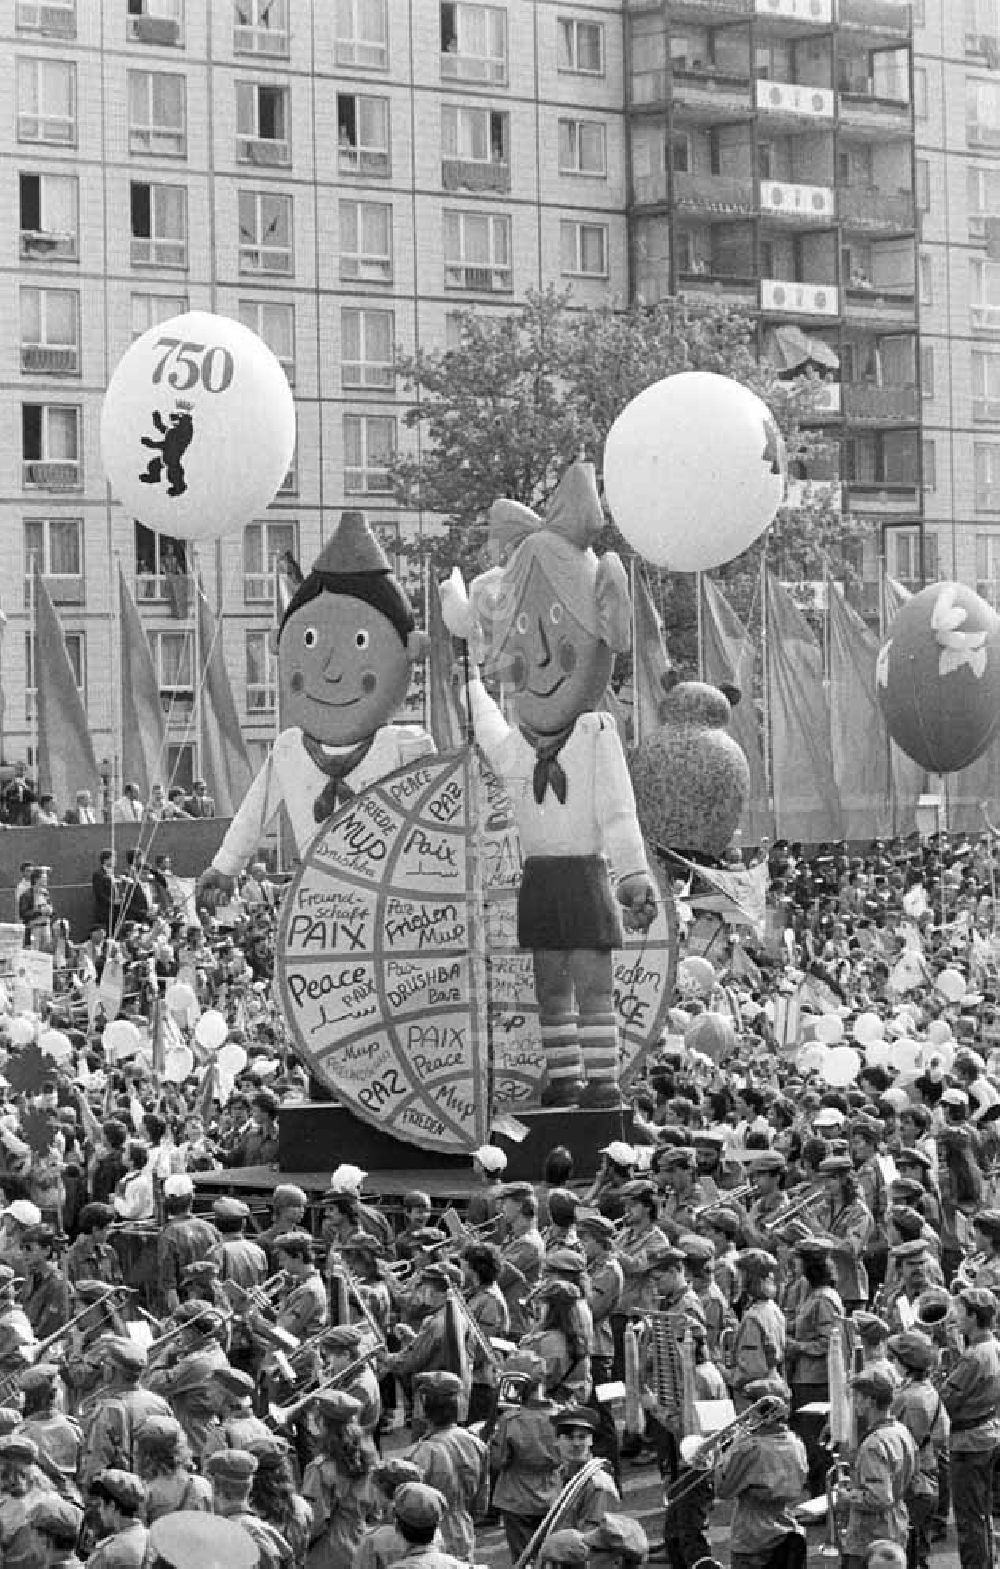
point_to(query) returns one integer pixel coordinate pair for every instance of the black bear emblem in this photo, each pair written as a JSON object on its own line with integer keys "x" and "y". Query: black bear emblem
{"x": 170, "y": 449}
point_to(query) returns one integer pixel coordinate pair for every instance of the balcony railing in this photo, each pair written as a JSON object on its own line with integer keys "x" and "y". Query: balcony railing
{"x": 64, "y": 589}
{"x": 898, "y": 304}
{"x": 484, "y": 280}
{"x": 801, "y": 493}
{"x": 367, "y": 482}
{"x": 886, "y": 497}
{"x": 800, "y": 203}
{"x": 707, "y": 11}
{"x": 262, "y": 699}
{"x": 47, "y": 17}
{"x": 862, "y": 108}
{"x": 696, "y": 86}
{"x": 159, "y": 30}
{"x": 269, "y": 41}
{"x": 794, "y": 100}
{"x": 39, "y": 245}
{"x": 783, "y": 296}
{"x": 887, "y": 18}
{"x": 468, "y": 174}
{"x": 267, "y": 151}
{"x": 58, "y": 474}
{"x": 703, "y": 193}
{"x": 158, "y": 253}
{"x": 827, "y": 404}
{"x": 815, "y": 13}
{"x": 363, "y": 160}
{"x": 47, "y": 359}
{"x": 866, "y": 207}
{"x": 718, "y": 286}
{"x": 473, "y": 68}
{"x": 881, "y": 405}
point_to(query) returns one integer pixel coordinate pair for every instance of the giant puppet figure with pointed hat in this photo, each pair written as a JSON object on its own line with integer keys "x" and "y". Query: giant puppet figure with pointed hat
{"x": 346, "y": 647}
{"x": 548, "y": 623}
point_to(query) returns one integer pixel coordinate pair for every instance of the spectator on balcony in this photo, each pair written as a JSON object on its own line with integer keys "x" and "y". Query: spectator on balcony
{"x": 43, "y": 813}
{"x": 128, "y": 808}
{"x": 200, "y": 803}
{"x": 83, "y": 811}
{"x": 19, "y": 797}
{"x": 176, "y": 805}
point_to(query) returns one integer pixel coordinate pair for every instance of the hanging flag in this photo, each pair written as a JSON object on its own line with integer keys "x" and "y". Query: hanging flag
{"x": 806, "y": 802}
{"x": 144, "y": 746}
{"x": 858, "y": 739}
{"x": 909, "y": 780}
{"x": 443, "y": 719}
{"x": 66, "y": 761}
{"x": 730, "y": 660}
{"x": 650, "y": 660}
{"x": 224, "y": 761}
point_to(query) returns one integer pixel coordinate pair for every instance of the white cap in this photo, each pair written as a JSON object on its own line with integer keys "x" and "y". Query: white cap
{"x": 621, "y": 1153}
{"x": 490, "y": 1158}
{"x": 347, "y": 1179}
{"x": 828, "y": 1117}
{"x": 24, "y": 1212}
{"x": 179, "y": 1186}
{"x": 956, "y": 1098}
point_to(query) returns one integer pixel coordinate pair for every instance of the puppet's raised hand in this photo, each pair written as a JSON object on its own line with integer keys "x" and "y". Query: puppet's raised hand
{"x": 637, "y": 897}
{"x": 455, "y": 608}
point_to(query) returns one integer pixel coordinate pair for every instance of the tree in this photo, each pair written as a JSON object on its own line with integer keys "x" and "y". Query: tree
{"x": 522, "y": 394}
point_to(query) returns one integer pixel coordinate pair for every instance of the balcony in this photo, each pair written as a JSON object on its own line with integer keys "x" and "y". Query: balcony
{"x": 63, "y": 589}
{"x": 712, "y": 194}
{"x": 798, "y": 204}
{"x": 61, "y": 474}
{"x": 896, "y": 306}
{"x": 723, "y": 288}
{"x": 175, "y": 588}
{"x": 800, "y": 493}
{"x": 363, "y": 160}
{"x": 473, "y": 68}
{"x": 792, "y": 15}
{"x": 826, "y": 405}
{"x": 42, "y": 245}
{"x": 696, "y": 91}
{"x": 148, "y": 252}
{"x": 886, "y": 21}
{"x": 47, "y": 17}
{"x": 271, "y": 42}
{"x": 708, "y": 12}
{"x": 862, "y": 110}
{"x": 893, "y": 498}
{"x": 793, "y": 102}
{"x": 783, "y": 297}
{"x": 876, "y": 212}
{"x": 481, "y": 279}
{"x": 266, "y": 151}
{"x": 865, "y": 405}
{"x": 46, "y": 360}
{"x": 468, "y": 174}
{"x": 262, "y": 699}
{"x": 163, "y": 31}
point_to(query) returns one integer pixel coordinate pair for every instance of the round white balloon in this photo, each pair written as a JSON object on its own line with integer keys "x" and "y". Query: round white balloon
{"x": 877, "y": 1054}
{"x": 56, "y": 1045}
{"x": 22, "y": 1030}
{"x": 829, "y": 1028}
{"x": 841, "y": 1066}
{"x": 121, "y": 1039}
{"x": 179, "y": 997}
{"x": 694, "y": 470}
{"x": 198, "y": 427}
{"x": 178, "y": 1063}
{"x": 211, "y": 1030}
{"x": 868, "y": 1027}
{"x": 232, "y": 1059}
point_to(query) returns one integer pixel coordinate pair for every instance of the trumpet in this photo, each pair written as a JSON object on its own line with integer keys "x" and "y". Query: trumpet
{"x": 282, "y": 1416}
{"x": 703, "y": 1453}
{"x": 738, "y": 1195}
{"x": 12, "y": 1382}
{"x": 798, "y": 1207}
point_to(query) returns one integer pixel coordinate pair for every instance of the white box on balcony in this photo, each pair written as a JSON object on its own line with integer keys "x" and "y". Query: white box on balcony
{"x": 815, "y": 103}
{"x": 820, "y": 12}
{"x": 799, "y": 299}
{"x": 800, "y": 201}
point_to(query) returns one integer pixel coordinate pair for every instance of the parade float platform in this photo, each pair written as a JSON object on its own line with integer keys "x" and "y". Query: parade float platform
{"x": 319, "y": 1135}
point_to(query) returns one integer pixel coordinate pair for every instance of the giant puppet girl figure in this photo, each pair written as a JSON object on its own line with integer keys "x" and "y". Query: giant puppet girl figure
{"x": 549, "y": 623}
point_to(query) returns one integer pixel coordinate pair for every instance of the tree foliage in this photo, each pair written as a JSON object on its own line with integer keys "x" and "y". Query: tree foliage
{"x": 521, "y": 395}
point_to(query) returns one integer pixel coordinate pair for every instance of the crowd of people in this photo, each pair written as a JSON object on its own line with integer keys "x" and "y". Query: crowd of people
{"x": 23, "y": 804}
{"x": 804, "y": 1257}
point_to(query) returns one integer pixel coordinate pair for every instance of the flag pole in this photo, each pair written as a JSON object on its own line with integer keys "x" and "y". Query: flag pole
{"x": 199, "y": 589}
{"x": 33, "y": 616}
{"x": 766, "y": 681}
{"x": 636, "y": 734}
{"x": 700, "y": 625}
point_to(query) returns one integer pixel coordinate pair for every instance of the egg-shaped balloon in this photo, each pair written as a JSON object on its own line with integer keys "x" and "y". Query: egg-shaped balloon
{"x": 121, "y": 1039}
{"x": 694, "y": 470}
{"x": 877, "y": 1053}
{"x": 198, "y": 427}
{"x": 829, "y": 1028}
{"x": 938, "y": 677}
{"x": 211, "y": 1030}
{"x": 56, "y": 1045}
{"x": 696, "y": 976}
{"x": 868, "y": 1027}
{"x": 178, "y": 1063}
{"x": 951, "y": 984}
{"x": 841, "y": 1066}
{"x": 712, "y": 1034}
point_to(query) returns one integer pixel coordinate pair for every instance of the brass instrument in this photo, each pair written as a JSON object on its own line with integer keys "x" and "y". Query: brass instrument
{"x": 740, "y": 1195}
{"x": 799, "y": 1207}
{"x": 282, "y": 1416}
{"x": 449, "y": 1247}
{"x": 701, "y": 1454}
{"x": 12, "y": 1382}
{"x": 965, "y": 1274}
{"x": 836, "y": 1478}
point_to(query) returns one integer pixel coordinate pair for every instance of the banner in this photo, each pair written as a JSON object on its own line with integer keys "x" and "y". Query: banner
{"x": 730, "y": 658}
{"x": 650, "y": 660}
{"x": 144, "y": 750}
{"x": 806, "y": 803}
{"x": 859, "y": 741}
{"x": 66, "y": 761}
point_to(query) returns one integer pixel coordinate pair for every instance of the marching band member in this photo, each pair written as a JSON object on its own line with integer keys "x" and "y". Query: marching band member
{"x": 764, "y": 1471}
{"x": 575, "y": 1427}
{"x": 847, "y": 1221}
{"x": 971, "y": 1396}
{"x": 339, "y": 1483}
{"x": 522, "y": 1251}
{"x": 881, "y": 1471}
{"x": 605, "y": 1285}
{"x": 759, "y": 1346}
{"x": 488, "y": 1310}
{"x": 684, "y": 1192}
{"x": 525, "y": 1454}
{"x": 918, "y": 1405}
{"x": 453, "y": 1460}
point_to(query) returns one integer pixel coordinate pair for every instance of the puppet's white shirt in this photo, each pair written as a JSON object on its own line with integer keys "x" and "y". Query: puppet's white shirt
{"x": 291, "y": 776}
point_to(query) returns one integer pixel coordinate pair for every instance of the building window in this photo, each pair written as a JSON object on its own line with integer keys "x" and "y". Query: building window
{"x": 52, "y": 18}
{"x": 367, "y": 348}
{"x": 581, "y": 46}
{"x": 262, "y": 674}
{"x": 923, "y": 185}
{"x": 274, "y": 322}
{"x": 983, "y": 192}
{"x": 263, "y": 544}
{"x": 583, "y": 249}
{"x": 50, "y": 446}
{"x": 982, "y": 113}
{"x": 363, "y": 34}
{"x": 881, "y": 459}
{"x": 926, "y": 280}
{"x": 48, "y": 216}
{"x": 161, "y": 569}
{"x": 583, "y": 147}
{"x": 903, "y": 556}
{"x": 173, "y": 656}
{"x": 987, "y": 469}
{"x": 55, "y": 546}
{"x": 46, "y": 101}
{"x": 930, "y": 464}
{"x": 157, "y": 113}
{"x": 475, "y": 149}
{"x": 156, "y": 21}
{"x": 362, "y": 134}
{"x": 261, "y": 27}
{"x": 50, "y": 331}
{"x": 76, "y": 649}
{"x": 986, "y": 384}
{"x": 477, "y": 252}
{"x": 473, "y": 43}
{"x": 920, "y": 93}
{"x": 152, "y": 310}
{"x": 984, "y": 295}
{"x": 262, "y": 124}
{"x": 982, "y": 27}
{"x": 265, "y": 221}
{"x": 369, "y": 448}
{"x": 988, "y": 568}
{"x": 159, "y": 225}
{"x": 927, "y": 370}
{"x": 366, "y": 242}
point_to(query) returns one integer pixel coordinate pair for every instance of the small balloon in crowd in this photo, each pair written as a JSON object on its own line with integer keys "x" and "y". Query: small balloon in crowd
{"x": 951, "y": 984}
{"x": 712, "y": 1034}
{"x": 829, "y": 1028}
{"x": 694, "y": 470}
{"x": 905, "y": 1055}
{"x": 198, "y": 427}
{"x": 21, "y": 1030}
{"x": 121, "y": 1040}
{"x": 180, "y": 998}
{"x": 841, "y": 1066}
{"x": 232, "y": 1059}
{"x": 938, "y": 1031}
{"x": 868, "y": 1027}
{"x": 211, "y": 1030}
{"x": 696, "y": 976}
{"x": 877, "y": 1054}
{"x": 811, "y": 1057}
{"x": 178, "y": 1063}
{"x": 56, "y": 1045}
{"x": 938, "y": 677}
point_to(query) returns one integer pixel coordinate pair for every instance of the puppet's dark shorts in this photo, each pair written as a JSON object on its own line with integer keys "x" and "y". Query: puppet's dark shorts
{"x": 567, "y": 902}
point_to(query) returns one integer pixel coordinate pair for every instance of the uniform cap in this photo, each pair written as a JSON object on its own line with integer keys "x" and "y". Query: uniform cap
{"x": 725, "y": 1220}
{"x": 337, "y": 1406}
{"x": 813, "y": 1247}
{"x": 416, "y": 1198}
{"x": 619, "y": 1534}
{"x": 490, "y": 1158}
{"x": 696, "y": 1250}
{"x": 564, "y": 1547}
{"x": 872, "y": 1381}
{"x": 912, "y": 1156}
{"x": 443, "y": 1276}
{"x": 772, "y": 1388}
{"x": 978, "y": 1300}
{"x": 192, "y": 1372}
{"x": 757, "y": 1262}
{"x": 123, "y": 1488}
{"x": 362, "y": 1243}
{"x": 517, "y": 1190}
{"x": 557, "y": 1290}
{"x": 574, "y": 1416}
{"x": 344, "y": 1337}
{"x": 870, "y": 1327}
{"x": 526, "y": 1362}
{"x": 639, "y": 1188}
{"x": 439, "y": 1382}
{"x": 94, "y": 1215}
{"x": 187, "y": 1536}
{"x": 417, "y": 1505}
{"x": 768, "y": 1160}
{"x": 295, "y": 1243}
{"x": 396, "y": 1472}
{"x": 676, "y": 1156}
{"x": 916, "y": 1247}
{"x": 619, "y": 1152}
{"x": 161, "y": 1434}
{"x": 178, "y": 1186}
{"x": 828, "y": 1117}
{"x": 43, "y": 1376}
{"x": 868, "y": 1127}
{"x": 230, "y": 1209}
{"x": 565, "y": 1261}
{"x": 597, "y": 1224}
{"x": 835, "y": 1166}
{"x": 914, "y": 1350}
{"x": 51, "y": 1512}
{"x": 237, "y": 1466}
{"x": 123, "y": 1353}
{"x": 14, "y": 1446}
{"x": 234, "y": 1381}
{"x": 286, "y": 1194}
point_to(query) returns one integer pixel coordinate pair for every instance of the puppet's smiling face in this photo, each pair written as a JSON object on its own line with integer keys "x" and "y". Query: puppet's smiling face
{"x": 344, "y": 669}
{"x": 556, "y": 667}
